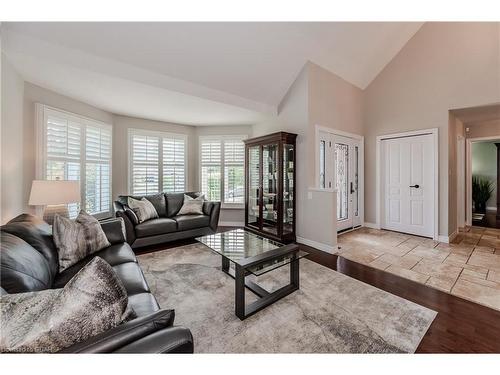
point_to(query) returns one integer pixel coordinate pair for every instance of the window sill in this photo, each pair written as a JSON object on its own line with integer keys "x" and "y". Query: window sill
{"x": 229, "y": 206}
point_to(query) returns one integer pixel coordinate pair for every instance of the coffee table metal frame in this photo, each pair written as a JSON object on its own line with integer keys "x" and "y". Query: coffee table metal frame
{"x": 266, "y": 298}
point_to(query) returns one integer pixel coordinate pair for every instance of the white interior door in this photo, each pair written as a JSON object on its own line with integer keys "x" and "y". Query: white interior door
{"x": 408, "y": 184}
{"x": 346, "y": 154}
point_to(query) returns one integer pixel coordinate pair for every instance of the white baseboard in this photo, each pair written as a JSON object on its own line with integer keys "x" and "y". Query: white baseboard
{"x": 371, "y": 225}
{"x": 448, "y": 239}
{"x": 317, "y": 245}
{"x": 231, "y": 224}
{"x": 452, "y": 236}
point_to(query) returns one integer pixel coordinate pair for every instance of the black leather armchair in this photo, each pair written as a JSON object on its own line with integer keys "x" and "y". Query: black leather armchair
{"x": 169, "y": 226}
{"x": 29, "y": 263}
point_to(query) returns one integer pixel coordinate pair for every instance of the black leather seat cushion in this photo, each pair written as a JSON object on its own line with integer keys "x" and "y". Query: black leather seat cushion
{"x": 186, "y": 222}
{"x": 155, "y": 226}
{"x": 114, "y": 255}
{"x": 143, "y": 303}
{"x": 132, "y": 278}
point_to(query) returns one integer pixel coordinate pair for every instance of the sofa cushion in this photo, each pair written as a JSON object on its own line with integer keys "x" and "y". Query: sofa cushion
{"x": 36, "y": 233}
{"x": 156, "y": 226}
{"x": 114, "y": 255}
{"x": 186, "y": 222}
{"x": 192, "y": 206}
{"x": 23, "y": 268}
{"x": 174, "y": 203}
{"x": 77, "y": 239}
{"x": 143, "y": 303}
{"x": 157, "y": 200}
{"x": 93, "y": 302}
{"x": 124, "y": 334}
{"x": 132, "y": 278}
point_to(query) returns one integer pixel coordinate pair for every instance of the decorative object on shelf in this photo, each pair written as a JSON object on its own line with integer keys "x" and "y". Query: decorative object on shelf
{"x": 55, "y": 195}
{"x": 269, "y": 194}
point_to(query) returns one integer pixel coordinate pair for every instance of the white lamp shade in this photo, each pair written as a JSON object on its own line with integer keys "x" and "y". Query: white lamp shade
{"x": 54, "y": 192}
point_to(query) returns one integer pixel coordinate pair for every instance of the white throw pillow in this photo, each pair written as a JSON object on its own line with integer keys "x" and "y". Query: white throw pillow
{"x": 192, "y": 206}
{"x": 143, "y": 209}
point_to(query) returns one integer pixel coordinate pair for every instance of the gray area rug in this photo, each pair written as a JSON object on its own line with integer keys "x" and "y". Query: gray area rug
{"x": 331, "y": 313}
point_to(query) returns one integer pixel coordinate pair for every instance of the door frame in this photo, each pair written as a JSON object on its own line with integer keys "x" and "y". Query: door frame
{"x": 378, "y": 183}
{"x": 361, "y": 181}
{"x": 468, "y": 174}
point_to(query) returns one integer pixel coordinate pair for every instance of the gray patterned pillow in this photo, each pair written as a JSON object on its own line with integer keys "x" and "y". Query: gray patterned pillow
{"x": 143, "y": 209}
{"x": 93, "y": 301}
{"x": 75, "y": 240}
{"x": 192, "y": 206}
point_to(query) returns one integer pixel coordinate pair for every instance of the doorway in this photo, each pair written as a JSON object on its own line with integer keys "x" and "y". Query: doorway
{"x": 346, "y": 176}
{"x": 341, "y": 170}
{"x": 408, "y": 182}
{"x": 482, "y": 181}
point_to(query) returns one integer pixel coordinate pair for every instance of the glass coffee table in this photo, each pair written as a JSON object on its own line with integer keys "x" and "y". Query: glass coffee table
{"x": 254, "y": 255}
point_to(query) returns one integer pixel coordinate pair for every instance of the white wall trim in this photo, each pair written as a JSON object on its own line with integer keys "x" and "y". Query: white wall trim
{"x": 231, "y": 224}
{"x": 448, "y": 239}
{"x": 371, "y": 225}
{"x": 317, "y": 245}
{"x": 379, "y": 199}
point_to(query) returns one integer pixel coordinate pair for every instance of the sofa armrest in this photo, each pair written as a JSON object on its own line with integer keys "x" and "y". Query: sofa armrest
{"x": 213, "y": 210}
{"x": 125, "y": 334}
{"x": 114, "y": 229}
{"x": 169, "y": 340}
{"x": 129, "y": 226}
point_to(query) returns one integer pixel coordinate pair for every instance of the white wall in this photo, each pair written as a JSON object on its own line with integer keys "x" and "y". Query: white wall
{"x": 444, "y": 66}
{"x": 13, "y": 201}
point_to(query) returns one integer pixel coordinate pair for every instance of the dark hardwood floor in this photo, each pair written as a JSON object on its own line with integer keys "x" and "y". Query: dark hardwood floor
{"x": 460, "y": 326}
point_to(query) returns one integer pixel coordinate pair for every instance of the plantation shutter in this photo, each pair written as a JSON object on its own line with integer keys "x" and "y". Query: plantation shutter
{"x": 79, "y": 149}
{"x": 174, "y": 179}
{"x": 211, "y": 153}
{"x": 63, "y": 158}
{"x": 98, "y": 170}
{"x": 234, "y": 171}
{"x": 145, "y": 164}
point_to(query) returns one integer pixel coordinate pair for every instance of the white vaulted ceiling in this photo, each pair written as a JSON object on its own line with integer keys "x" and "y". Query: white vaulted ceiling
{"x": 198, "y": 73}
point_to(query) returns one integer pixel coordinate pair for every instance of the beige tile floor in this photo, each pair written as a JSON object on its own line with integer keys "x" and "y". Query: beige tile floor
{"x": 468, "y": 268}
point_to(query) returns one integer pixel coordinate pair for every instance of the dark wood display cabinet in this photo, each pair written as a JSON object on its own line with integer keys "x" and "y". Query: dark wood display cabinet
{"x": 270, "y": 165}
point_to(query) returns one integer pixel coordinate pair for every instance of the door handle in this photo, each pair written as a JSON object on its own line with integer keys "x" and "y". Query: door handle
{"x": 352, "y": 189}
{"x": 415, "y": 186}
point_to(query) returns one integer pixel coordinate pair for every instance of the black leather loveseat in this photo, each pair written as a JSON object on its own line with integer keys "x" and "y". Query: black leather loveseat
{"x": 29, "y": 262}
{"x": 169, "y": 226}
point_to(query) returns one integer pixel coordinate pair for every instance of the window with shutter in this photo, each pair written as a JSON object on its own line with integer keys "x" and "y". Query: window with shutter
{"x": 222, "y": 175}
{"x": 234, "y": 171}
{"x": 211, "y": 152}
{"x": 77, "y": 148}
{"x": 158, "y": 162}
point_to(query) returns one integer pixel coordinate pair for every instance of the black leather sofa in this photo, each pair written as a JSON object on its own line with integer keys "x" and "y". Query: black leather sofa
{"x": 169, "y": 226}
{"x": 29, "y": 262}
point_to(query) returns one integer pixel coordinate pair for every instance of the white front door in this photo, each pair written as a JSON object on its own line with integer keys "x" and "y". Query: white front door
{"x": 346, "y": 153}
{"x": 408, "y": 184}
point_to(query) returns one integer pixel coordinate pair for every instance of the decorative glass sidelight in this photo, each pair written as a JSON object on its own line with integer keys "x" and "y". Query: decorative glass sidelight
{"x": 342, "y": 181}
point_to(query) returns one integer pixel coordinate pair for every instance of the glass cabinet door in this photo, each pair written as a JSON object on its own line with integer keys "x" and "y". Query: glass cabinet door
{"x": 270, "y": 188}
{"x": 288, "y": 170}
{"x": 253, "y": 186}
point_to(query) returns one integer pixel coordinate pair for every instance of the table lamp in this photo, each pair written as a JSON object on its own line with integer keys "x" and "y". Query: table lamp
{"x": 55, "y": 196}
